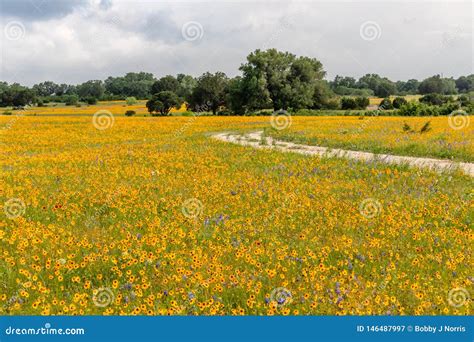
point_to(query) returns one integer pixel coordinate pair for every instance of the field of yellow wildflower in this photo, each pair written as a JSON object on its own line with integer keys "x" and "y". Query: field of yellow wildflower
{"x": 445, "y": 138}
{"x": 150, "y": 216}
{"x": 116, "y": 107}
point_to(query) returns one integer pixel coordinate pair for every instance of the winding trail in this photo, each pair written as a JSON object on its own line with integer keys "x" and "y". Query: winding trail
{"x": 257, "y": 140}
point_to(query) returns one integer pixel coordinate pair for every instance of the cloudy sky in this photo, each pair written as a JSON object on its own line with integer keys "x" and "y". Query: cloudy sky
{"x": 71, "y": 41}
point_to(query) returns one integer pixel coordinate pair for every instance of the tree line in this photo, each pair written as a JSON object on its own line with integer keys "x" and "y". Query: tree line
{"x": 269, "y": 79}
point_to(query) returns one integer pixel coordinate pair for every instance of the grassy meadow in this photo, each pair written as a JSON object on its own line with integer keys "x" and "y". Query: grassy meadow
{"x": 444, "y": 138}
{"x": 151, "y": 216}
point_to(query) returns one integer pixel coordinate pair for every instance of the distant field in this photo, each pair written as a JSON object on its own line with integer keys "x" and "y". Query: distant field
{"x": 147, "y": 216}
{"x": 385, "y": 135}
{"x": 376, "y": 100}
{"x": 115, "y": 107}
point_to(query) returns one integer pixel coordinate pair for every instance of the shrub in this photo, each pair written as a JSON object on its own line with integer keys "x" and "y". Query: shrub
{"x": 130, "y": 113}
{"x": 131, "y": 100}
{"x": 465, "y": 100}
{"x": 398, "y": 102}
{"x": 448, "y": 108}
{"x": 332, "y": 104}
{"x": 430, "y": 111}
{"x": 348, "y": 103}
{"x": 386, "y": 104}
{"x": 418, "y": 109}
{"x": 7, "y": 112}
{"x": 357, "y": 103}
{"x": 410, "y": 109}
{"x": 71, "y": 100}
{"x": 434, "y": 99}
{"x": 91, "y": 100}
{"x": 469, "y": 109}
{"x": 361, "y": 102}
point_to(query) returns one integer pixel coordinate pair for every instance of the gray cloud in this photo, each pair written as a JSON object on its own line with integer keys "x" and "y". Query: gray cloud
{"x": 412, "y": 39}
{"x": 39, "y": 9}
{"x": 160, "y": 26}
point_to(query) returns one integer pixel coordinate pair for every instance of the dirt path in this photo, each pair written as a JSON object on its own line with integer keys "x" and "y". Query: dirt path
{"x": 257, "y": 140}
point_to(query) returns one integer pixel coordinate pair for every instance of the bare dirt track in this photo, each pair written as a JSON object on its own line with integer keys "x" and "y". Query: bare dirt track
{"x": 258, "y": 140}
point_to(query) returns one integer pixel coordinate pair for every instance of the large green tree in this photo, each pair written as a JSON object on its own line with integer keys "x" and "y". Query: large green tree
{"x": 437, "y": 84}
{"x": 93, "y": 88}
{"x": 279, "y": 79}
{"x": 187, "y": 83}
{"x": 46, "y": 88}
{"x": 136, "y": 84}
{"x": 162, "y": 102}
{"x": 15, "y": 95}
{"x": 381, "y": 86}
{"x": 344, "y": 81}
{"x": 166, "y": 83}
{"x": 210, "y": 91}
{"x": 409, "y": 87}
{"x": 236, "y": 96}
{"x": 465, "y": 83}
